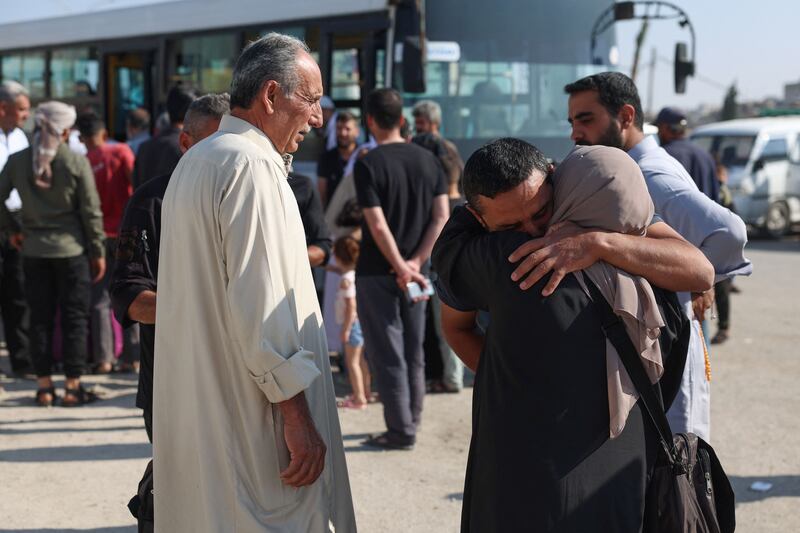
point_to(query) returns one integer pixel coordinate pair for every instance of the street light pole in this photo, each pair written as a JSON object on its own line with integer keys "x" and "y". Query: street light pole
{"x": 652, "y": 10}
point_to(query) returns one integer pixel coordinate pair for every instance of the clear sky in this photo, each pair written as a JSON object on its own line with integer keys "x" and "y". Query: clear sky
{"x": 755, "y": 44}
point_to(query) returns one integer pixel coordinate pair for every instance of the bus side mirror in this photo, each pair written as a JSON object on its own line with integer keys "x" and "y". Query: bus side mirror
{"x": 413, "y": 65}
{"x": 758, "y": 165}
{"x": 683, "y": 68}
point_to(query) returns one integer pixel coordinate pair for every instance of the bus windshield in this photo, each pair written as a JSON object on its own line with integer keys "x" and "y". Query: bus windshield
{"x": 515, "y": 59}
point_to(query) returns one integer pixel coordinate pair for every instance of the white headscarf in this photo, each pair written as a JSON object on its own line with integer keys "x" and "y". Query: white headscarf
{"x": 51, "y": 119}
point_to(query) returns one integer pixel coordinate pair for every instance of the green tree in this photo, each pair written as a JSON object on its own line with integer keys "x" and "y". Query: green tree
{"x": 730, "y": 109}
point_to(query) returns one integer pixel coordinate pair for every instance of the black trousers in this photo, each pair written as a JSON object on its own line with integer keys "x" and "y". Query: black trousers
{"x": 14, "y": 307}
{"x": 722, "y": 297}
{"x": 63, "y": 284}
{"x": 394, "y": 330}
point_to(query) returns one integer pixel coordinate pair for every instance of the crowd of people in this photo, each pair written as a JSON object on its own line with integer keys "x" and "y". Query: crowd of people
{"x": 232, "y": 276}
{"x": 66, "y": 188}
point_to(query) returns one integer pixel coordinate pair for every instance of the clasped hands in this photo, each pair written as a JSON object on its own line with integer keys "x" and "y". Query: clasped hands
{"x": 410, "y": 272}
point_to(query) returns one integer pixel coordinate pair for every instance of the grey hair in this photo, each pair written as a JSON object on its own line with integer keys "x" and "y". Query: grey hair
{"x": 428, "y": 109}
{"x": 209, "y": 106}
{"x": 272, "y": 57}
{"x": 11, "y": 90}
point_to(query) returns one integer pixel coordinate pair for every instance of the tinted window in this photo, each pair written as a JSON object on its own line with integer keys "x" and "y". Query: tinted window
{"x": 731, "y": 150}
{"x": 775, "y": 149}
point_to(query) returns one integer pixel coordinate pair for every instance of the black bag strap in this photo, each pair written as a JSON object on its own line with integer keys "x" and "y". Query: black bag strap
{"x": 614, "y": 330}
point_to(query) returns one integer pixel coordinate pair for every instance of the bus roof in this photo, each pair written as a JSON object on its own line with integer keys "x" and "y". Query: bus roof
{"x": 54, "y": 22}
{"x": 749, "y": 126}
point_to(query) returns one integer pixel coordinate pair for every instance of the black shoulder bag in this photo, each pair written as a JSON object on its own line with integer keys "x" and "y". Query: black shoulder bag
{"x": 688, "y": 490}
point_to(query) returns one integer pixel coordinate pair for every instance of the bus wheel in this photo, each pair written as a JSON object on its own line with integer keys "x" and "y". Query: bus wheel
{"x": 778, "y": 222}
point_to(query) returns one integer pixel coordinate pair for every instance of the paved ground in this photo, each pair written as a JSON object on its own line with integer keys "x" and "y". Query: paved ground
{"x": 74, "y": 470}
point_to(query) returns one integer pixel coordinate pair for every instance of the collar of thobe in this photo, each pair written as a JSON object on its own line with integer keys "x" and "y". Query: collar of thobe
{"x": 647, "y": 144}
{"x": 231, "y": 124}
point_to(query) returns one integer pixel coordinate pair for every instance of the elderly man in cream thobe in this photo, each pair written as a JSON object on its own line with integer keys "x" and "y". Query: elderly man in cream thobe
{"x": 246, "y": 434}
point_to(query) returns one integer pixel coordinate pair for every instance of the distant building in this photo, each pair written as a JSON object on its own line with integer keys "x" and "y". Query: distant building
{"x": 791, "y": 93}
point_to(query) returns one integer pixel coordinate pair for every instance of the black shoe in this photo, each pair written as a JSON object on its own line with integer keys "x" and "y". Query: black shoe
{"x": 384, "y": 442}
{"x": 720, "y": 337}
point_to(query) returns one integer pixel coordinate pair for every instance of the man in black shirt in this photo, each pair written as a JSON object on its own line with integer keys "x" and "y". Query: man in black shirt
{"x": 133, "y": 281}
{"x": 160, "y": 155}
{"x": 331, "y": 165}
{"x": 402, "y": 190}
{"x": 672, "y": 129}
{"x": 318, "y": 238}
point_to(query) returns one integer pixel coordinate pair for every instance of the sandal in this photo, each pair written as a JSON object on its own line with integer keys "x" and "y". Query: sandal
{"x": 103, "y": 368}
{"x": 45, "y": 397}
{"x": 350, "y": 403}
{"x": 127, "y": 368}
{"x": 79, "y": 396}
{"x": 383, "y": 441}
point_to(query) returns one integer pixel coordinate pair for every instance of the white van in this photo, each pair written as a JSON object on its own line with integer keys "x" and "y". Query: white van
{"x": 763, "y": 160}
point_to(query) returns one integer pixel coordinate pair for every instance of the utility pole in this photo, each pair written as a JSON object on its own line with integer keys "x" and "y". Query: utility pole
{"x": 639, "y": 41}
{"x": 652, "y": 83}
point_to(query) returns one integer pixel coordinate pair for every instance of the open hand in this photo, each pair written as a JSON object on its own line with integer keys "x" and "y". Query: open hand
{"x": 564, "y": 249}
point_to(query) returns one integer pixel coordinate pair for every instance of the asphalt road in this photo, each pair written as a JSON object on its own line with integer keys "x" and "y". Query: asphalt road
{"x": 75, "y": 469}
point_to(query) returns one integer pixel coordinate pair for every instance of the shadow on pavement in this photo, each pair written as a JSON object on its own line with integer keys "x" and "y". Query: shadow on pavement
{"x": 27, "y": 431}
{"x": 120, "y": 529}
{"x": 355, "y": 436}
{"x": 782, "y": 487}
{"x": 56, "y": 454}
{"x": 68, "y": 419}
{"x": 120, "y": 400}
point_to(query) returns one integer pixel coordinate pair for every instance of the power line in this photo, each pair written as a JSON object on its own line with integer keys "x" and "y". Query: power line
{"x": 699, "y": 77}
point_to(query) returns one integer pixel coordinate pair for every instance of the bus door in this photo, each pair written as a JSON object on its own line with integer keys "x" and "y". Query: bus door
{"x": 351, "y": 54}
{"x": 128, "y": 86}
{"x": 354, "y": 66}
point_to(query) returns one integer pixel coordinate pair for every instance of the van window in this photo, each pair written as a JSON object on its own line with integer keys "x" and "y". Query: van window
{"x": 730, "y": 150}
{"x": 775, "y": 150}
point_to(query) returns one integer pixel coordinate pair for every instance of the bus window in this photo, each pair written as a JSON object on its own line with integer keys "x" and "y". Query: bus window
{"x": 345, "y": 76}
{"x": 74, "y": 72}
{"x": 28, "y": 69}
{"x": 205, "y": 63}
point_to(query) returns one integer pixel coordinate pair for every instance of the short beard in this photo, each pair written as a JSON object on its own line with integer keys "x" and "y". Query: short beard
{"x": 611, "y": 137}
